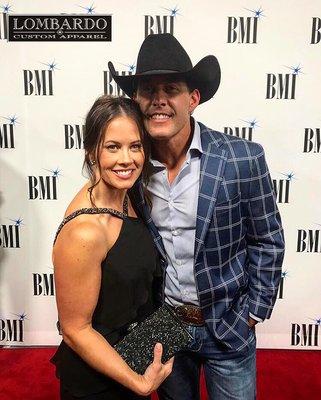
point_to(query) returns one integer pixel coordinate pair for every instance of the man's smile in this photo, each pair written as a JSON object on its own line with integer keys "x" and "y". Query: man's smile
{"x": 159, "y": 116}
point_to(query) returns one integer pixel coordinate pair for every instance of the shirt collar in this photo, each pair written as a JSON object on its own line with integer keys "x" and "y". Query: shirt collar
{"x": 195, "y": 146}
{"x": 196, "y": 143}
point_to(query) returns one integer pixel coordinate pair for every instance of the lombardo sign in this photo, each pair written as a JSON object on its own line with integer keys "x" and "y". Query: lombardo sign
{"x": 59, "y": 28}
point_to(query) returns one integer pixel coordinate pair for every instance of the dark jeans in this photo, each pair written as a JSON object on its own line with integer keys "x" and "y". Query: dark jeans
{"x": 226, "y": 379}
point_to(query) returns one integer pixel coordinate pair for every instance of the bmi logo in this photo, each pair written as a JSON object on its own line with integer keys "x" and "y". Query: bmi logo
{"x": 306, "y": 334}
{"x": 7, "y": 133}
{"x": 74, "y": 136}
{"x": 12, "y": 329}
{"x": 243, "y": 30}
{"x": 308, "y": 241}
{"x": 10, "y": 234}
{"x": 39, "y": 82}
{"x": 316, "y": 30}
{"x": 43, "y": 284}
{"x": 44, "y": 187}
{"x": 161, "y": 23}
{"x": 244, "y": 132}
{"x": 284, "y": 275}
{"x": 110, "y": 86}
{"x": 4, "y": 22}
{"x": 282, "y": 187}
{"x": 282, "y": 86}
{"x": 312, "y": 140}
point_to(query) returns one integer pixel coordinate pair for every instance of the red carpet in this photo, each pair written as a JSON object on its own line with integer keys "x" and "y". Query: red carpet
{"x": 26, "y": 374}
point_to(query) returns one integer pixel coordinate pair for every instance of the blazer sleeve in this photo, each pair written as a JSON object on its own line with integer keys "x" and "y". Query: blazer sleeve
{"x": 265, "y": 240}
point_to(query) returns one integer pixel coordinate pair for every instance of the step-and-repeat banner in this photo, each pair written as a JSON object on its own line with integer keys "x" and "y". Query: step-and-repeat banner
{"x": 54, "y": 66}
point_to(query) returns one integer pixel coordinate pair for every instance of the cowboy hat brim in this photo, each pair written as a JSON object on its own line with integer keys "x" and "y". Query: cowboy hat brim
{"x": 204, "y": 76}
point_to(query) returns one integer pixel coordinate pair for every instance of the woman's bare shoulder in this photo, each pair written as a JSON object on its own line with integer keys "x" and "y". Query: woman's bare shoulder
{"x": 80, "y": 236}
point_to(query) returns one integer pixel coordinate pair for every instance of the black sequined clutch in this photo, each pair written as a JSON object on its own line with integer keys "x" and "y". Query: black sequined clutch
{"x": 137, "y": 347}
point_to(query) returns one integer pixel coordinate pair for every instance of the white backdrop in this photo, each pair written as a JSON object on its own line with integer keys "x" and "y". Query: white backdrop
{"x": 270, "y": 92}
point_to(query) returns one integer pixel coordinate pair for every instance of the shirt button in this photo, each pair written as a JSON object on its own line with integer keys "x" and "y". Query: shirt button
{"x": 179, "y": 262}
{"x": 176, "y": 232}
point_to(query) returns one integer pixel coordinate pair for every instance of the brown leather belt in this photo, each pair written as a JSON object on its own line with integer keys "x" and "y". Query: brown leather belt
{"x": 189, "y": 314}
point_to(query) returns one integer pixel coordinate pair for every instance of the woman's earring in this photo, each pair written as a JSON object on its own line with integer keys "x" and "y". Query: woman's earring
{"x": 92, "y": 162}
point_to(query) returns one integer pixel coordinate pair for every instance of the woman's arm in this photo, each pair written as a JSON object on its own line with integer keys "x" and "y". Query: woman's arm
{"x": 77, "y": 256}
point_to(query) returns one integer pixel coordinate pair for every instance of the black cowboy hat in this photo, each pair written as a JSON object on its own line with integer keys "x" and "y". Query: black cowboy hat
{"x": 162, "y": 54}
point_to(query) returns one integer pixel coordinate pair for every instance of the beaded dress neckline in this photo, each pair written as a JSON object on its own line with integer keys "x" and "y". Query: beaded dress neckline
{"x": 74, "y": 214}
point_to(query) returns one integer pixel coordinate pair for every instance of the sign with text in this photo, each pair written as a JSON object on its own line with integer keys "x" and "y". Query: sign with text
{"x": 59, "y": 28}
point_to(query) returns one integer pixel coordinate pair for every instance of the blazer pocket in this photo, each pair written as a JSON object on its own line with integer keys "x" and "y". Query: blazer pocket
{"x": 227, "y": 214}
{"x": 228, "y": 204}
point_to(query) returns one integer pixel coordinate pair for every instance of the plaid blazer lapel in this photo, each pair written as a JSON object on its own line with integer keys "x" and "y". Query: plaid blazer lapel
{"x": 213, "y": 162}
{"x": 136, "y": 195}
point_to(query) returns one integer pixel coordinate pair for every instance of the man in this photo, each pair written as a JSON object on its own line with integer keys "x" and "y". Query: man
{"x": 218, "y": 226}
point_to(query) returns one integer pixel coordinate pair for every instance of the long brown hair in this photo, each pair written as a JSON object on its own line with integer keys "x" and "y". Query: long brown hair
{"x": 103, "y": 111}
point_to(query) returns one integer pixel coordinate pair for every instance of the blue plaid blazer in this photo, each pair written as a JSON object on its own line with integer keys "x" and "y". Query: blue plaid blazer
{"x": 239, "y": 244}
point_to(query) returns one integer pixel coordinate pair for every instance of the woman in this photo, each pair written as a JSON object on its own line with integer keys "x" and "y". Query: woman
{"x": 105, "y": 263}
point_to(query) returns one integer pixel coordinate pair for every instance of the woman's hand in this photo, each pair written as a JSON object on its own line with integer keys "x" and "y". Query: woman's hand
{"x": 156, "y": 372}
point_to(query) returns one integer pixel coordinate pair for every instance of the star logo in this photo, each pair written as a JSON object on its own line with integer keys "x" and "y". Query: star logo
{"x": 6, "y": 8}
{"x": 252, "y": 123}
{"x": 12, "y": 120}
{"x": 284, "y": 274}
{"x": 131, "y": 67}
{"x": 17, "y": 222}
{"x": 52, "y": 66}
{"x": 289, "y": 176}
{"x": 317, "y": 321}
{"x": 21, "y": 317}
{"x": 89, "y": 9}
{"x": 295, "y": 70}
{"x": 257, "y": 13}
{"x": 173, "y": 11}
{"x": 55, "y": 172}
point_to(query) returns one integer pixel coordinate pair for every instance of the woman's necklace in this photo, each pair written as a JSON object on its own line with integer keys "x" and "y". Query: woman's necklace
{"x": 125, "y": 206}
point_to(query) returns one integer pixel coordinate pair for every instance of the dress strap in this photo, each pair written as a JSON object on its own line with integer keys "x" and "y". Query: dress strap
{"x": 81, "y": 211}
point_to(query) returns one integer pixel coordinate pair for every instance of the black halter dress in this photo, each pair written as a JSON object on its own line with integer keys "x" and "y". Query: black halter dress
{"x": 130, "y": 277}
